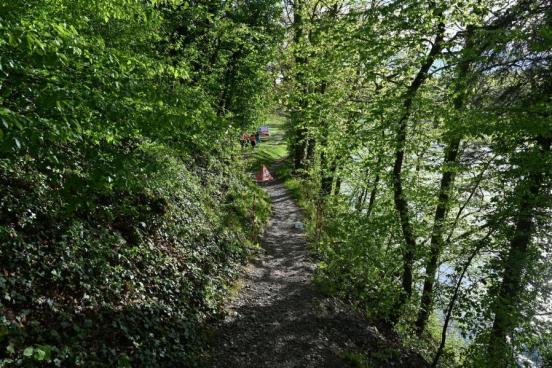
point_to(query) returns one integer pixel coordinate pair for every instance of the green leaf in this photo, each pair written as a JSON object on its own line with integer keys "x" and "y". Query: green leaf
{"x": 28, "y": 352}
{"x": 123, "y": 361}
{"x": 40, "y": 353}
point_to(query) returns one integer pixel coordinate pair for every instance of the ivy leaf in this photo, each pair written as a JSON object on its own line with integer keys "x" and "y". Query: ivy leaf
{"x": 39, "y": 354}
{"x": 28, "y": 352}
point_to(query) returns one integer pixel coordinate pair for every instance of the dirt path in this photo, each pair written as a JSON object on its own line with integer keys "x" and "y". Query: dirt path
{"x": 279, "y": 319}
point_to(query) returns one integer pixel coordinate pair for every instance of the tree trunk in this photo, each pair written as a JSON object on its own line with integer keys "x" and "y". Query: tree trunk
{"x": 505, "y": 306}
{"x": 374, "y": 190}
{"x": 361, "y": 199}
{"x": 309, "y": 150}
{"x": 454, "y": 298}
{"x": 401, "y": 203}
{"x": 436, "y": 247}
{"x": 298, "y": 148}
{"x": 337, "y": 186}
{"x": 328, "y": 176}
{"x": 447, "y": 183}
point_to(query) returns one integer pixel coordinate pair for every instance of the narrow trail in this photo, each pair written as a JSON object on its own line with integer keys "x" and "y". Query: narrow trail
{"x": 279, "y": 319}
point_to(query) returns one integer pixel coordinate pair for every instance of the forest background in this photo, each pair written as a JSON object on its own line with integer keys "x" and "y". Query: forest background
{"x": 419, "y": 136}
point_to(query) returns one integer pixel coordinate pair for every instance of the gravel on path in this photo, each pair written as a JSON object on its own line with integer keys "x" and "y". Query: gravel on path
{"x": 279, "y": 319}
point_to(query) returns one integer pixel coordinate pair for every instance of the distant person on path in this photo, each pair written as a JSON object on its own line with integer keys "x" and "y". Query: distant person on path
{"x": 257, "y": 137}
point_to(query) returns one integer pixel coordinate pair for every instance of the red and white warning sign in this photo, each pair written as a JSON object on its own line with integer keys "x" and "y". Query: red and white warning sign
{"x": 263, "y": 174}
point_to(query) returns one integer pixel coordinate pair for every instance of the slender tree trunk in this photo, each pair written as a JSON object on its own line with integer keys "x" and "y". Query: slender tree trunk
{"x": 373, "y": 194}
{"x": 336, "y": 180}
{"x": 374, "y": 190}
{"x": 447, "y": 182}
{"x": 337, "y": 186}
{"x": 454, "y": 298}
{"x": 505, "y": 306}
{"x": 298, "y": 148}
{"x": 375, "y": 183}
{"x": 309, "y": 150}
{"x": 328, "y": 178}
{"x": 311, "y": 141}
{"x": 401, "y": 206}
{"x": 305, "y": 145}
{"x": 361, "y": 199}
{"x": 401, "y": 203}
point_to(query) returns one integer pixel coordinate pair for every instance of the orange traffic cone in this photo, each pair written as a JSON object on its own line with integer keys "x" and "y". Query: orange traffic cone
{"x": 263, "y": 175}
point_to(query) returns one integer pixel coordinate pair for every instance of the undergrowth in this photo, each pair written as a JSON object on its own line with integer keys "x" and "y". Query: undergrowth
{"x": 345, "y": 247}
{"x": 104, "y": 270}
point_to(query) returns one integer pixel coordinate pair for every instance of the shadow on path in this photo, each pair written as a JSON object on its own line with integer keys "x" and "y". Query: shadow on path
{"x": 279, "y": 319}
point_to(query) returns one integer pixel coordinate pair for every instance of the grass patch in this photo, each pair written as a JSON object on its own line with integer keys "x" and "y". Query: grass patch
{"x": 292, "y": 183}
{"x": 298, "y": 187}
{"x": 271, "y": 149}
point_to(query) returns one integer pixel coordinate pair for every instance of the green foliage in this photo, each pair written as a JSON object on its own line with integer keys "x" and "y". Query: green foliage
{"x": 272, "y": 148}
{"x": 125, "y": 208}
{"x": 141, "y": 267}
{"x": 351, "y": 269}
{"x": 356, "y": 360}
{"x": 377, "y": 358}
{"x": 420, "y": 136}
